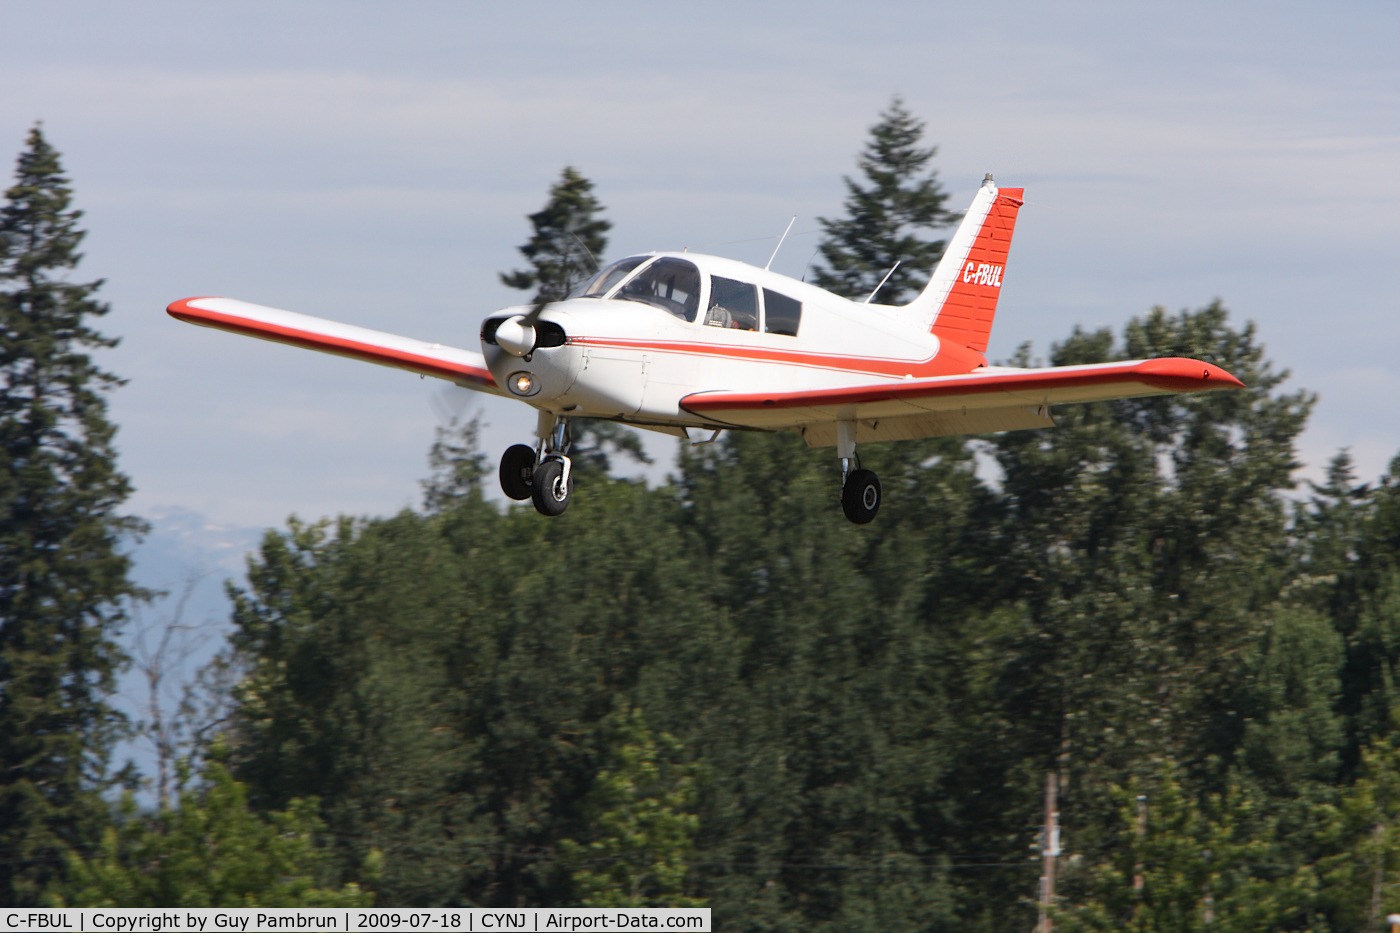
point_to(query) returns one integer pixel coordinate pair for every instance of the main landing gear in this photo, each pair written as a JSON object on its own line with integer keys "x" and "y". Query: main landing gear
{"x": 541, "y": 473}
{"x": 860, "y": 489}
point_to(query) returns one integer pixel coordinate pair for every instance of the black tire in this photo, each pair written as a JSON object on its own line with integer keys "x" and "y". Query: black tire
{"x": 550, "y": 494}
{"x": 517, "y": 471}
{"x": 860, "y": 497}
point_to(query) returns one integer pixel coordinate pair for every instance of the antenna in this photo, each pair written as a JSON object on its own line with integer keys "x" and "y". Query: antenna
{"x": 882, "y": 281}
{"x": 596, "y": 267}
{"x": 780, "y": 242}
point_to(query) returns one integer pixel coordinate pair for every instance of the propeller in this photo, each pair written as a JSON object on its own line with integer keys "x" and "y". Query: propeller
{"x": 516, "y": 335}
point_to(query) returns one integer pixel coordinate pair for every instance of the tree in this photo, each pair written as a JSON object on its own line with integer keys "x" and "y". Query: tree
{"x": 568, "y": 239}
{"x": 63, "y": 576}
{"x": 1360, "y": 842}
{"x": 886, "y": 217}
{"x": 210, "y": 850}
{"x": 642, "y": 833}
{"x": 1174, "y": 866}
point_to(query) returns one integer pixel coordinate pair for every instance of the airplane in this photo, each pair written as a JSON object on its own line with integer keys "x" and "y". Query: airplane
{"x": 693, "y": 345}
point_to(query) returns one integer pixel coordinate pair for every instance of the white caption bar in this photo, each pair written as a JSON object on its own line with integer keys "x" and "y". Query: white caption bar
{"x": 378, "y": 920}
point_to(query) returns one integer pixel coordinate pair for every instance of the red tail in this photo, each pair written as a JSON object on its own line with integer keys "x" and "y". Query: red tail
{"x": 965, "y": 317}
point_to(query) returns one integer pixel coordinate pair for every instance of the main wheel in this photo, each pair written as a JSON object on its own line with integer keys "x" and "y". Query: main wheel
{"x": 517, "y": 470}
{"x": 860, "y": 497}
{"x": 551, "y": 493}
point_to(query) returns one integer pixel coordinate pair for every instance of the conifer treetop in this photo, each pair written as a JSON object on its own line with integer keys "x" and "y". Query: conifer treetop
{"x": 886, "y": 216}
{"x": 569, "y": 237}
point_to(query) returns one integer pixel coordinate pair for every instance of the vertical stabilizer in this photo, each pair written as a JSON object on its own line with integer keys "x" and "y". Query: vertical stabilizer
{"x": 960, "y": 300}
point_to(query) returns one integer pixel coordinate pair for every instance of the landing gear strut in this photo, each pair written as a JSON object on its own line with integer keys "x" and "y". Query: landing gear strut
{"x": 860, "y": 489}
{"x": 542, "y": 473}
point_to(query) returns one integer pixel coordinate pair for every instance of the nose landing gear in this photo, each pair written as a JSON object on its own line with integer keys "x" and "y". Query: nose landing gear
{"x": 860, "y": 489}
{"x": 541, "y": 474}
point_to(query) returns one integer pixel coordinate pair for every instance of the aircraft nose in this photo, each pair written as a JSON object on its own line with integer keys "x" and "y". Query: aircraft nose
{"x": 543, "y": 373}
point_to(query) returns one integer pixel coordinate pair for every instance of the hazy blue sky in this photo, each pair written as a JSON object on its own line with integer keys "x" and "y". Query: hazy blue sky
{"x": 373, "y": 163}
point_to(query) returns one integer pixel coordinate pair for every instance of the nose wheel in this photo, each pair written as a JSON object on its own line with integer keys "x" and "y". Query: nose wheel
{"x": 541, "y": 474}
{"x": 553, "y": 487}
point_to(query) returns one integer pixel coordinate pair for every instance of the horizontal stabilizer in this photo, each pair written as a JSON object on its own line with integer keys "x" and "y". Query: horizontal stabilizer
{"x": 464, "y": 367}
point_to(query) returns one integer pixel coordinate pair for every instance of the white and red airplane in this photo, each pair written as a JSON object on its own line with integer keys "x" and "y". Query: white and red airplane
{"x": 692, "y": 345}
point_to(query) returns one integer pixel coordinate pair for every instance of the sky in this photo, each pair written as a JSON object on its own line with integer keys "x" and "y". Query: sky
{"x": 373, "y": 163}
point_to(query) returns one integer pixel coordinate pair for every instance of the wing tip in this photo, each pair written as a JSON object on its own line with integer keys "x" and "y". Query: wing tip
{"x": 1188, "y": 375}
{"x": 184, "y": 309}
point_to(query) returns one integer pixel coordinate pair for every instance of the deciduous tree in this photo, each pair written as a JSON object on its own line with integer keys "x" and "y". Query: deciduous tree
{"x": 209, "y": 850}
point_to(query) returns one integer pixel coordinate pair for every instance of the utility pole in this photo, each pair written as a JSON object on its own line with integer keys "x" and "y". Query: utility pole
{"x": 1139, "y": 831}
{"x": 1379, "y": 883}
{"x": 1049, "y": 852}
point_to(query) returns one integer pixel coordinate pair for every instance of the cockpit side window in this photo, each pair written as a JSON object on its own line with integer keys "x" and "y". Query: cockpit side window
{"x": 732, "y": 304}
{"x": 673, "y": 285}
{"x": 602, "y": 283}
{"x": 781, "y": 314}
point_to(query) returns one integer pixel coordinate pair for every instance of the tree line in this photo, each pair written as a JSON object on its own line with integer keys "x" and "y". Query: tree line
{"x": 717, "y": 691}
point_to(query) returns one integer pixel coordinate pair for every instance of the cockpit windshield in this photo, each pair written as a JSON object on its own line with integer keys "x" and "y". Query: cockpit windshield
{"x": 602, "y": 283}
{"x": 673, "y": 285}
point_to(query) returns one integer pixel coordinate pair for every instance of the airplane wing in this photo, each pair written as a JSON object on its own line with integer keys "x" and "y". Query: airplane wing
{"x": 463, "y": 367}
{"x": 991, "y": 399}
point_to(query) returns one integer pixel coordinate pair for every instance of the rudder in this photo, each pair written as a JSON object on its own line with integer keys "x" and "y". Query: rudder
{"x": 960, "y": 300}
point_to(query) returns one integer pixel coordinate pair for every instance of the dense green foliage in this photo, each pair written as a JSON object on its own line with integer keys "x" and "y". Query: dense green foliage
{"x": 63, "y": 575}
{"x": 210, "y": 850}
{"x": 641, "y": 832}
{"x": 868, "y": 713}
{"x": 887, "y": 217}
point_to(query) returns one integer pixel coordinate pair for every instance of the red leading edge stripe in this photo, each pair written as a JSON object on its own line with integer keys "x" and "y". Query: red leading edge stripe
{"x": 341, "y": 346}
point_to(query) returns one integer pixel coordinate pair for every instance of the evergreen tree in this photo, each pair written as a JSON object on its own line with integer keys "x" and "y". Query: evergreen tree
{"x": 569, "y": 238}
{"x": 886, "y": 217}
{"x": 63, "y": 576}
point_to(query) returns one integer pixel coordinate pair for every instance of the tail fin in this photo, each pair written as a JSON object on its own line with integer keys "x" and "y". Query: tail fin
{"x": 960, "y": 299}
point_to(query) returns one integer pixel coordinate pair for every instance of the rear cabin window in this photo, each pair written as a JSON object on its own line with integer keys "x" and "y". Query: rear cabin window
{"x": 732, "y": 304}
{"x": 781, "y": 314}
{"x": 673, "y": 285}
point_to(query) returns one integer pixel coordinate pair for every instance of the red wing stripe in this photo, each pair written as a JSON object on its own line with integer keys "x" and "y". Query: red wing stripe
{"x": 327, "y": 343}
{"x": 1170, "y": 374}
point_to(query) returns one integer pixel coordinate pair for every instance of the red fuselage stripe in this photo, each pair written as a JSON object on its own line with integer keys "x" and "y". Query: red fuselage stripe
{"x": 858, "y": 364}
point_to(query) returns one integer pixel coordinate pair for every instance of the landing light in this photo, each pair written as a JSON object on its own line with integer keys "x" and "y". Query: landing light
{"x": 522, "y": 384}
